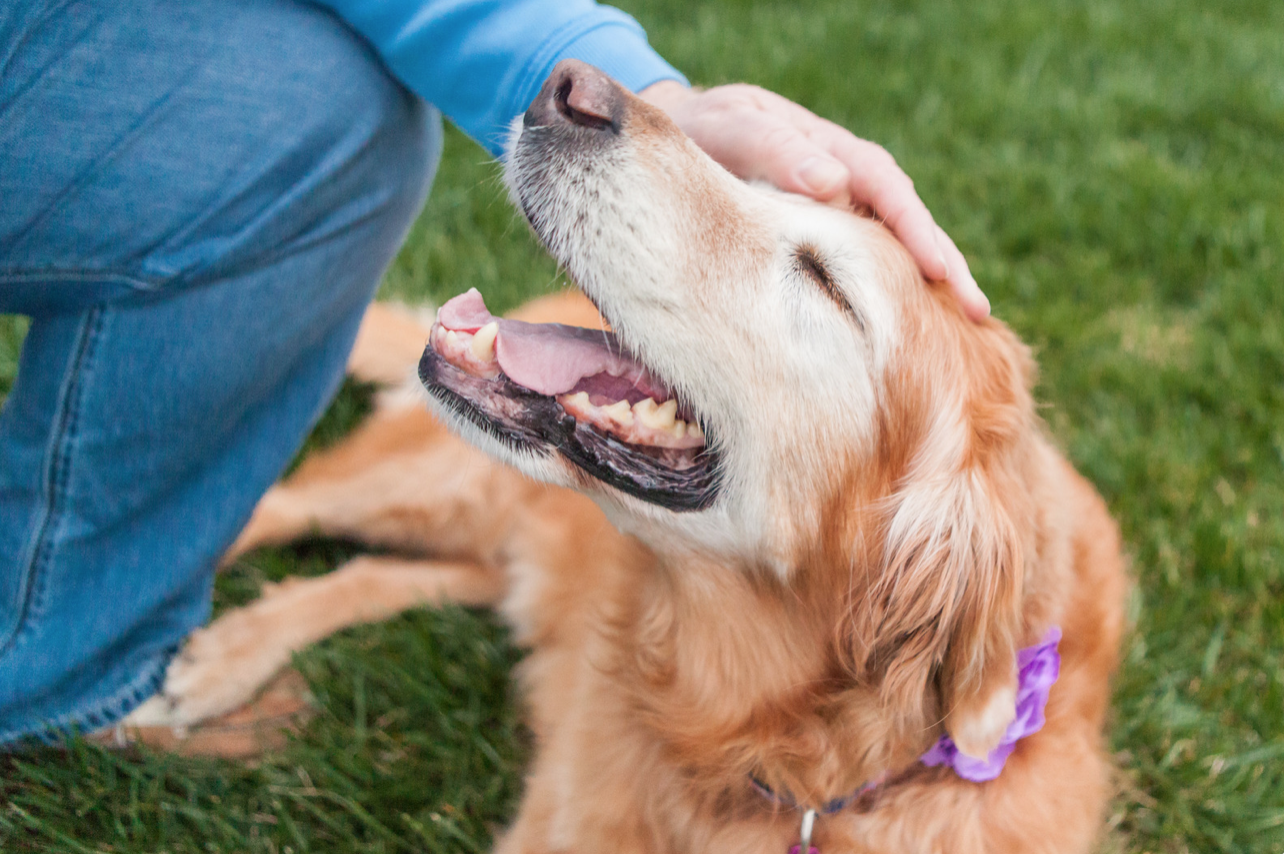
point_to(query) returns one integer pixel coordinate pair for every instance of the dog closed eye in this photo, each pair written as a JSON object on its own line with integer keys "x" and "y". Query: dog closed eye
{"x": 809, "y": 263}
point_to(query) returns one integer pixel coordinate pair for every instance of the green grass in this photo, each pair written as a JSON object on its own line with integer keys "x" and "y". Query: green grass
{"x": 12, "y": 330}
{"x": 1114, "y": 169}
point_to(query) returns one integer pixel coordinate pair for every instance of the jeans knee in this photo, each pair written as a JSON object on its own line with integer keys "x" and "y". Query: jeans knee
{"x": 342, "y": 146}
{"x": 359, "y": 118}
{"x": 235, "y": 131}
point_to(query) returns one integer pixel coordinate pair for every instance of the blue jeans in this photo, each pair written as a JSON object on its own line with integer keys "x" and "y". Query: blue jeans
{"x": 197, "y": 201}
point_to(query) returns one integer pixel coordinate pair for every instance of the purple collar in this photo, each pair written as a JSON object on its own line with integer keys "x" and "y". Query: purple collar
{"x": 836, "y": 805}
{"x": 1038, "y": 668}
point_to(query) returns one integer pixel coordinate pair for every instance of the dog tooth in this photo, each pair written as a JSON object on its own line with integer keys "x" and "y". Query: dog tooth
{"x": 680, "y": 428}
{"x": 620, "y": 412}
{"x": 483, "y": 343}
{"x": 656, "y": 416}
{"x": 452, "y": 340}
{"x": 579, "y": 400}
{"x": 644, "y": 409}
{"x": 694, "y": 430}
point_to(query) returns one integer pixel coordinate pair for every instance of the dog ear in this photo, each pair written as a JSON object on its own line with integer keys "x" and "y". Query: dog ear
{"x": 946, "y": 607}
{"x": 944, "y": 600}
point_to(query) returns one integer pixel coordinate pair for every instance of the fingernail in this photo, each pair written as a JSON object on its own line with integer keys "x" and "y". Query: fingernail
{"x": 979, "y": 298}
{"x": 940, "y": 255}
{"x": 820, "y": 174}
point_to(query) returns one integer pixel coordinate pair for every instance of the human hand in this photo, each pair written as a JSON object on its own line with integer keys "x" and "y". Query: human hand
{"x": 760, "y": 135}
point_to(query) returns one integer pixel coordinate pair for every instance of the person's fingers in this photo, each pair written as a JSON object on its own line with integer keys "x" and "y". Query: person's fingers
{"x": 881, "y": 185}
{"x": 974, "y": 301}
{"x": 763, "y": 146}
{"x": 761, "y": 136}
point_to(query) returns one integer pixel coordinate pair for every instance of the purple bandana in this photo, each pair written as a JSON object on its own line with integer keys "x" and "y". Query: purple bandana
{"x": 1039, "y": 667}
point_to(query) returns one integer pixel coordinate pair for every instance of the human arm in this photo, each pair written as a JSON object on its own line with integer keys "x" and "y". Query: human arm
{"x": 481, "y": 62}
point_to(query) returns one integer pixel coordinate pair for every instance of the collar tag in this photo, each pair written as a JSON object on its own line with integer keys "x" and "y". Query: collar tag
{"x": 804, "y": 835}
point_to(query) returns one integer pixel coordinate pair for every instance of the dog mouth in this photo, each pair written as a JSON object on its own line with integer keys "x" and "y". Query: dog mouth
{"x": 575, "y": 391}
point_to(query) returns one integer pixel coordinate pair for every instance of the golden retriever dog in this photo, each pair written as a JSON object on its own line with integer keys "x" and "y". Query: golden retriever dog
{"x": 794, "y": 558}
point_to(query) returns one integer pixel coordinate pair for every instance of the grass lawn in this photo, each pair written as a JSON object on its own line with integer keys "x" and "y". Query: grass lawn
{"x": 1114, "y": 170}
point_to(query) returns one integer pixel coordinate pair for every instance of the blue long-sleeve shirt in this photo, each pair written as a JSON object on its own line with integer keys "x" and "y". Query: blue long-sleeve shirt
{"x": 481, "y": 62}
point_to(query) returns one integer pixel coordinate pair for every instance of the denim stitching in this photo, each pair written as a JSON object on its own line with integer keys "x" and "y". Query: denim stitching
{"x": 101, "y": 714}
{"x": 148, "y": 679}
{"x": 57, "y": 274}
{"x": 36, "y": 598}
{"x": 54, "y": 479}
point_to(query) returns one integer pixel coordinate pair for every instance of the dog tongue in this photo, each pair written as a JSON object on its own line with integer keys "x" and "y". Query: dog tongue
{"x": 548, "y": 358}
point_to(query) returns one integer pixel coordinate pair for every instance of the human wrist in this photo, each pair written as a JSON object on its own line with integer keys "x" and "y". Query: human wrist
{"x": 668, "y": 95}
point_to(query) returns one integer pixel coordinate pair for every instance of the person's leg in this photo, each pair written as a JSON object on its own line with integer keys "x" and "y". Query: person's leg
{"x": 199, "y": 200}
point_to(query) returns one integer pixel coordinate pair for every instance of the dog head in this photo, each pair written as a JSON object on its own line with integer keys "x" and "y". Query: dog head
{"x": 810, "y": 407}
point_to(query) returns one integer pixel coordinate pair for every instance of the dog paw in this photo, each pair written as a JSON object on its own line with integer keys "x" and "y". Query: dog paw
{"x": 220, "y": 668}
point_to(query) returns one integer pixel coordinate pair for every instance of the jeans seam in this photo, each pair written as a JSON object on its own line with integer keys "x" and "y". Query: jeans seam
{"x": 63, "y": 274}
{"x": 54, "y": 479}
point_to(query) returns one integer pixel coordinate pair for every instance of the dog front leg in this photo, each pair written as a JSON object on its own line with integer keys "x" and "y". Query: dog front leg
{"x": 588, "y": 787}
{"x": 224, "y": 664}
{"x": 536, "y": 831}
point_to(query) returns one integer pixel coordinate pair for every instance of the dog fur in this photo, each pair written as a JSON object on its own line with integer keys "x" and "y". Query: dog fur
{"x": 892, "y": 524}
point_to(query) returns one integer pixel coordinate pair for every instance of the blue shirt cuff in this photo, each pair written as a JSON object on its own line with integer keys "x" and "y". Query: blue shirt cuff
{"x": 483, "y": 61}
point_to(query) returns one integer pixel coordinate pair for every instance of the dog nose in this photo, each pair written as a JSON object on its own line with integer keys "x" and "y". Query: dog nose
{"x": 578, "y": 93}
